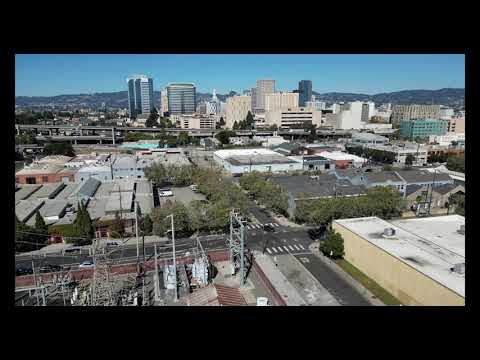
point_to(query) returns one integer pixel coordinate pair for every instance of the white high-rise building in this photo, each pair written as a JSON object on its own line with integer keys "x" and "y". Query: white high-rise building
{"x": 280, "y": 101}
{"x": 213, "y": 106}
{"x": 237, "y": 109}
{"x": 349, "y": 117}
{"x": 316, "y": 105}
{"x": 263, "y": 88}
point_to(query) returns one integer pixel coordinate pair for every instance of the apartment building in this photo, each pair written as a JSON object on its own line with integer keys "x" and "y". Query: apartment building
{"x": 237, "y": 108}
{"x": 412, "y": 112}
{"x": 280, "y": 101}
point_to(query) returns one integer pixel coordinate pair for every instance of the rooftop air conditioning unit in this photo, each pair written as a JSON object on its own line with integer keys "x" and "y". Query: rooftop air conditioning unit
{"x": 389, "y": 231}
{"x": 458, "y": 268}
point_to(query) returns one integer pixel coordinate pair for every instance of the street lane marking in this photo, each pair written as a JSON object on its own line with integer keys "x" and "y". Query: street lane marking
{"x": 301, "y": 246}
{"x": 269, "y": 251}
{"x": 274, "y": 249}
{"x": 296, "y": 247}
{"x": 285, "y": 248}
{"x": 291, "y": 248}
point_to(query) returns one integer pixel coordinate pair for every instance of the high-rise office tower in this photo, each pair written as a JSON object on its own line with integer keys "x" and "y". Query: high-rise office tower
{"x": 253, "y": 94}
{"x": 181, "y": 98}
{"x": 164, "y": 101}
{"x": 305, "y": 90}
{"x": 140, "y": 95}
{"x": 263, "y": 87}
{"x": 280, "y": 100}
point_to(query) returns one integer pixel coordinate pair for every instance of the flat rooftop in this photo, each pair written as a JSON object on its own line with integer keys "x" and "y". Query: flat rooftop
{"x": 245, "y": 160}
{"x": 429, "y": 245}
{"x": 224, "y": 154}
{"x": 338, "y": 155}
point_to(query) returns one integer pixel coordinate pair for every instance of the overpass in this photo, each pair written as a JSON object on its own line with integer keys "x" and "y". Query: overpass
{"x": 114, "y": 133}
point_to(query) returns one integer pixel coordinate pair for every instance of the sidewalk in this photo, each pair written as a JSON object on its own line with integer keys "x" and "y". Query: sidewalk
{"x": 314, "y": 248}
{"x": 288, "y": 293}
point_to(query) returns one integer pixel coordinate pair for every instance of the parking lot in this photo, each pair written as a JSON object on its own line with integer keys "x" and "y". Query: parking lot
{"x": 182, "y": 194}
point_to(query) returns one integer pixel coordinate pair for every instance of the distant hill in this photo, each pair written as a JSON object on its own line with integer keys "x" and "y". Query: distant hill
{"x": 119, "y": 99}
{"x": 447, "y": 96}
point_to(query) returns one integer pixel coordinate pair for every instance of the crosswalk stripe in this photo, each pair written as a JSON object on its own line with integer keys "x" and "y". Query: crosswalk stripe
{"x": 285, "y": 248}
{"x": 274, "y": 249}
{"x": 301, "y": 246}
{"x": 296, "y": 247}
{"x": 269, "y": 251}
{"x": 259, "y": 226}
{"x": 291, "y": 248}
{"x": 276, "y": 225}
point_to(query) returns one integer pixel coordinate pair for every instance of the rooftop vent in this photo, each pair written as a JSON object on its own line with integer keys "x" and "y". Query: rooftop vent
{"x": 458, "y": 268}
{"x": 388, "y": 232}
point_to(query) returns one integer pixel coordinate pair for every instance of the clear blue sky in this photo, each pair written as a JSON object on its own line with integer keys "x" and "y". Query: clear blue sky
{"x": 47, "y": 75}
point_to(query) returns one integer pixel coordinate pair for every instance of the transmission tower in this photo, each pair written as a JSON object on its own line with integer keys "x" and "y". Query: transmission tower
{"x": 239, "y": 258}
{"x": 102, "y": 284}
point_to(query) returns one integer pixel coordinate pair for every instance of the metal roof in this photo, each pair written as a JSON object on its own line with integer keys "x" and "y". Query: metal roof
{"x": 48, "y": 191}
{"x": 25, "y": 191}
{"x": 89, "y": 187}
{"x": 382, "y": 176}
{"x": 414, "y": 176}
{"x": 26, "y": 208}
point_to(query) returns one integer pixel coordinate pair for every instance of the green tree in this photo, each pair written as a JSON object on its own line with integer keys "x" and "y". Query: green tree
{"x": 183, "y": 138}
{"x": 456, "y": 163}
{"x": 221, "y": 122}
{"x": 409, "y": 160}
{"x": 152, "y": 119}
{"x": 25, "y": 237}
{"x": 117, "y": 228}
{"x": 235, "y": 126}
{"x": 332, "y": 245}
{"x": 40, "y": 226}
{"x": 156, "y": 173}
{"x": 59, "y": 148}
{"x": 147, "y": 225}
{"x": 181, "y": 218}
{"x": 249, "y": 121}
{"x": 83, "y": 225}
{"x": 224, "y": 136}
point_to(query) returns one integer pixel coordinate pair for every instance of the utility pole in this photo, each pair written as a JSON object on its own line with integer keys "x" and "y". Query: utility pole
{"x": 35, "y": 279}
{"x": 136, "y": 234}
{"x": 155, "y": 278}
{"x": 174, "y": 259}
{"x": 431, "y": 192}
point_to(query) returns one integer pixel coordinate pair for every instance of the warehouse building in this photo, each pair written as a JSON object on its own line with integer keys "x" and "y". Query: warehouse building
{"x": 344, "y": 160}
{"x": 85, "y": 191}
{"x": 306, "y": 188}
{"x": 241, "y": 161}
{"x": 48, "y": 191}
{"x": 65, "y": 193}
{"x": 25, "y": 191}
{"x": 420, "y": 261}
{"x": 51, "y": 211}
{"x": 25, "y": 209}
{"x": 99, "y": 172}
{"x": 41, "y": 173}
{"x": 144, "y": 196}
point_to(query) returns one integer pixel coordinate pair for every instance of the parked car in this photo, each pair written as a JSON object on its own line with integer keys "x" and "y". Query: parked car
{"x": 164, "y": 193}
{"x": 49, "y": 268}
{"x": 22, "y": 271}
{"x": 113, "y": 243}
{"x": 86, "y": 264}
{"x": 194, "y": 188}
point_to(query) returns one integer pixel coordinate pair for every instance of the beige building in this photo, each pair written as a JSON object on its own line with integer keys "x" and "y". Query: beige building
{"x": 237, "y": 109}
{"x": 280, "y": 101}
{"x": 410, "y": 112}
{"x": 264, "y": 87}
{"x": 456, "y": 124}
{"x": 420, "y": 261}
{"x": 293, "y": 116}
{"x": 164, "y": 102}
{"x": 197, "y": 122}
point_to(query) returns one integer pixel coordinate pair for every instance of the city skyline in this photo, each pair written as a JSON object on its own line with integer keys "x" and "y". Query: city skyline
{"x": 366, "y": 74}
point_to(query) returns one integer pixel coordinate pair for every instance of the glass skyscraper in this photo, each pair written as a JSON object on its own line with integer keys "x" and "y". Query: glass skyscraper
{"x": 305, "y": 92}
{"x": 140, "y": 95}
{"x": 181, "y": 98}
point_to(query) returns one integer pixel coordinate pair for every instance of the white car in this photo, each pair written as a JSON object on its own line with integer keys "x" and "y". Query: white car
{"x": 86, "y": 264}
{"x": 164, "y": 193}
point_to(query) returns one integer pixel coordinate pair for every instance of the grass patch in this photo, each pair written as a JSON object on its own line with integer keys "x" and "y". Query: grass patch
{"x": 382, "y": 294}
